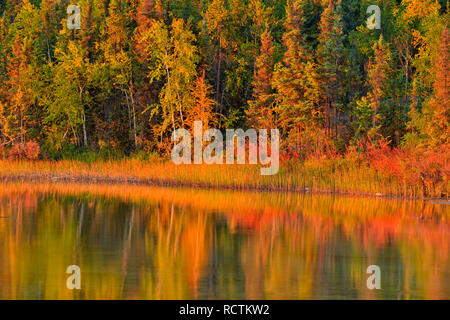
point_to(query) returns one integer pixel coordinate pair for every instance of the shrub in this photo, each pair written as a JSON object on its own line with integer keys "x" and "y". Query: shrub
{"x": 32, "y": 150}
{"x": 29, "y": 151}
{"x": 427, "y": 169}
{"x": 16, "y": 152}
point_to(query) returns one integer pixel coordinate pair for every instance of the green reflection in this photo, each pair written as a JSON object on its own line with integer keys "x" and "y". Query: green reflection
{"x": 145, "y": 243}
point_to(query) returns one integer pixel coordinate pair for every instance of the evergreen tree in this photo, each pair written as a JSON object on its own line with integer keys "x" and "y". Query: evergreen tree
{"x": 18, "y": 112}
{"x": 378, "y": 73}
{"x": 16, "y": 104}
{"x": 114, "y": 71}
{"x": 260, "y": 109}
{"x": 330, "y": 57}
{"x": 438, "y": 128}
{"x": 201, "y": 106}
{"x": 216, "y": 17}
{"x": 296, "y": 81}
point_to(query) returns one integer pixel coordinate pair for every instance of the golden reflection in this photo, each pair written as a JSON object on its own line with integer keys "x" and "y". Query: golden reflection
{"x": 136, "y": 242}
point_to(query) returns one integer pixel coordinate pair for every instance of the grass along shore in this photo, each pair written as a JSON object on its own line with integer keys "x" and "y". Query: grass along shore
{"x": 332, "y": 176}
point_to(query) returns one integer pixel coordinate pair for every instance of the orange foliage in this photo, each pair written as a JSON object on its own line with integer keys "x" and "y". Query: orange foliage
{"x": 29, "y": 151}
{"x": 412, "y": 166}
{"x": 202, "y": 105}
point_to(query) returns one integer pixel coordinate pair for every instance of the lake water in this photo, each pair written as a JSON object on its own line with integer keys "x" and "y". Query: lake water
{"x": 135, "y": 242}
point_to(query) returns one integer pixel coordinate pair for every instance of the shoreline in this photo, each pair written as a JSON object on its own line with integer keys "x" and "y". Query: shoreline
{"x": 76, "y": 179}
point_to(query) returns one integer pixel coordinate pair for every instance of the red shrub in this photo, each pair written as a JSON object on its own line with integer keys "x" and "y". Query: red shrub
{"x": 428, "y": 168}
{"x": 32, "y": 150}
{"x": 29, "y": 151}
{"x": 16, "y": 152}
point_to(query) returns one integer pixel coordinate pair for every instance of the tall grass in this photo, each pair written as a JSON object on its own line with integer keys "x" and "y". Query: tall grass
{"x": 344, "y": 175}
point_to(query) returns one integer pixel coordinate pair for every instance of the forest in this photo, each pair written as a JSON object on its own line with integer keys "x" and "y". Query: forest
{"x": 341, "y": 94}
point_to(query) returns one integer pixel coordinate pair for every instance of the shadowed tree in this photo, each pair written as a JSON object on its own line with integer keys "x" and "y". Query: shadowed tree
{"x": 260, "y": 109}
{"x": 377, "y": 76}
{"x": 330, "y": 56}
{"x": 296, "y": 81}
{"x": 216, "y": 17}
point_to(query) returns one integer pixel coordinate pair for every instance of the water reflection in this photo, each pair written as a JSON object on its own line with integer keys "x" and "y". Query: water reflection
{"x": 136, "y": 242}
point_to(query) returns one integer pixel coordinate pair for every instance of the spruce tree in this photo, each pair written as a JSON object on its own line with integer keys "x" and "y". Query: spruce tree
{"x": 330, "y": 53}
{"x": 438, "y": 128}
{"x": 260, "y": 108}
{"x": 296, "y": 81}
{"x": 377, "y": 76}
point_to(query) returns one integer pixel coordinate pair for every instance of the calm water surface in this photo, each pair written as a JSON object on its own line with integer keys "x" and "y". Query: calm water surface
{"x": 134, "y": 242}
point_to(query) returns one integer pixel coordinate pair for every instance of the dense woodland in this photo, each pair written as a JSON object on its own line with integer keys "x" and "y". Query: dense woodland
{"x": 138, "y": 69}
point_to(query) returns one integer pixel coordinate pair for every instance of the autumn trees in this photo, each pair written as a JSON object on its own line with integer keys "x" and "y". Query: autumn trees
{"x": 173, "y": 58}
{"x": 429, "y": 107}
{"x": 17, "y": 102}
{"x": 138, "y": 69}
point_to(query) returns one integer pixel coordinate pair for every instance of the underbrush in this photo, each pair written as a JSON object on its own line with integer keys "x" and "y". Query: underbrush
{"x": 373, "y": 168}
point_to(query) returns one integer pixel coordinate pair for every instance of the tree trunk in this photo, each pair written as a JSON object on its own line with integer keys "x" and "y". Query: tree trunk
{"x": 84, "y": 118}
{"x": 219, "y": 65}
{"x": 84, "y": 129}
